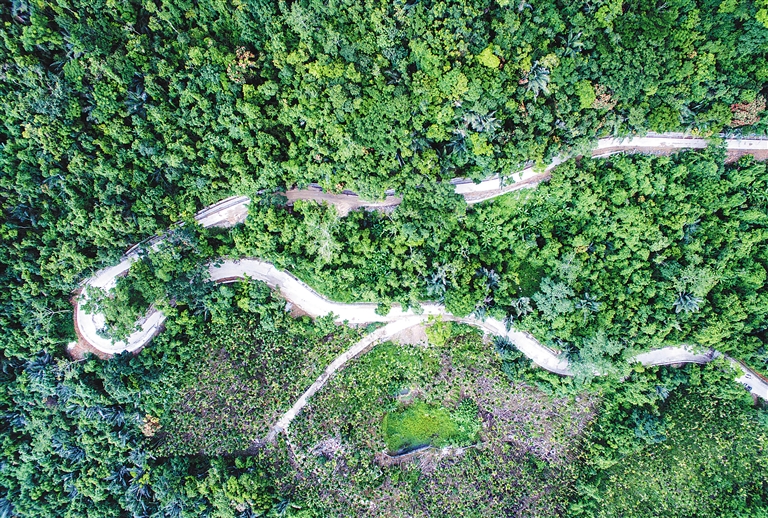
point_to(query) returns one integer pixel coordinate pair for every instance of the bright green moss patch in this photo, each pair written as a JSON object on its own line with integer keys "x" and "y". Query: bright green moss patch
{"x": 421, "y": 424}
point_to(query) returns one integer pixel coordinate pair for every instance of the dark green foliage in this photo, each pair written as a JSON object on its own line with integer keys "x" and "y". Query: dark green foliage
{"x": 120, "y": 118}
{"x": 697, "y": 450}
{"x": 609, "y": 258}
{"x": 642, "y": 252}
{"x": 72, "y": 444}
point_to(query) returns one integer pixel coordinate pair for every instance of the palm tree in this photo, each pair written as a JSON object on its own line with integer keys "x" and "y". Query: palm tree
{"x": 522, "y": 306}
{"x": 490, "y": 276}
{"x": 481, "y": 308}
{"x": 538, "y": 79}
{"x": 36, "y": 368}
{"x": 135, "y": 101}
{"x": 505, "y": 347}
{"x": 436, "y": 285}
{"x": 572, "y": 44}
{"x": 458, "y": 144}
{"x": 6, "y": 508}
{"x": 481, "y": 123}
{"x": 588, "y": 305}
{"x": 687, "y": 302}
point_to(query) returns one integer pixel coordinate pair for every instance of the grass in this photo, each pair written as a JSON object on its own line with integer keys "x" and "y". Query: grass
{"x": 421, "y": 424}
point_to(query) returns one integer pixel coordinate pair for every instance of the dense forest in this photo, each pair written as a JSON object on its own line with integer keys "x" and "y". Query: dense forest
{"x": 609, "y": 258}
{"x": 121, "y": 118}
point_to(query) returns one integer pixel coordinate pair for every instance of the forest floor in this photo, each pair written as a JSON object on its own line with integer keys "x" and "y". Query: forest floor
{"x": 761, "y": 155}
{"x": 336, "y": 438}
{"x": 415, "y": 335}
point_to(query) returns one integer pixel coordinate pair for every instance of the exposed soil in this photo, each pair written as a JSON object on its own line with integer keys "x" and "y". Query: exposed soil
{"x": 77, "y": 350}
{"x": 734, "y": 154}
{"x": 416, "y": 335}
{"x": 429, "y": 457}
{"x": 344, "y": 203}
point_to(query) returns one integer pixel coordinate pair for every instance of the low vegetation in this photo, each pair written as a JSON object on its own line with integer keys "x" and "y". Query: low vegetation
{"x": 420, "y": 425}
{"x": 243, "y": 368}
{"x": 488, "y": 444}
{"x": 694, "y": 450}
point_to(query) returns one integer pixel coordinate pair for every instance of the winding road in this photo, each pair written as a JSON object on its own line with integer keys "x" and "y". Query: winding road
{"x": 232, "y": 211}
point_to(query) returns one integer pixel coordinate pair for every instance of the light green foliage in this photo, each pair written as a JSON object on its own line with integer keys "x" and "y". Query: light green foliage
{"x": 420, "y": 424}
{"x": 586, "y": 94}
{"x": 762, "y": 13}
{"x": 438, "y": 331}
{"x": 230, "y": 493}
{"x": 554, "y": 301}
{"x": 383, "y": 308}
{"x": 488, "y": 59}
{"x": 762, "y": 17}
{"x": 663, "y": 118}
{"x": 728, "y": 6}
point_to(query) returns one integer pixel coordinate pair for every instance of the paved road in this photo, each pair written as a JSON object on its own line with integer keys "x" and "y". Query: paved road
{"x": 304, "y": 297}
{"x": 234, "y": 210}
{"x": 226, "y": 213}
{"x": 496, "y": 186}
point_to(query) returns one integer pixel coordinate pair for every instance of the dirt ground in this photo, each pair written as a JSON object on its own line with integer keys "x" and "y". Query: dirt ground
{"x": 344, "y": 203}
{"x": 735, "y": 154}
{"x": 416, "y": 335}
{"x": 77, "y": 350}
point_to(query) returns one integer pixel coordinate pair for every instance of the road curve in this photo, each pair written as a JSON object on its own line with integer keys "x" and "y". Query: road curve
{"x": 314, "y": 304}
{"x": 226, "y": 213}
{"x": 234, "y": 210}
